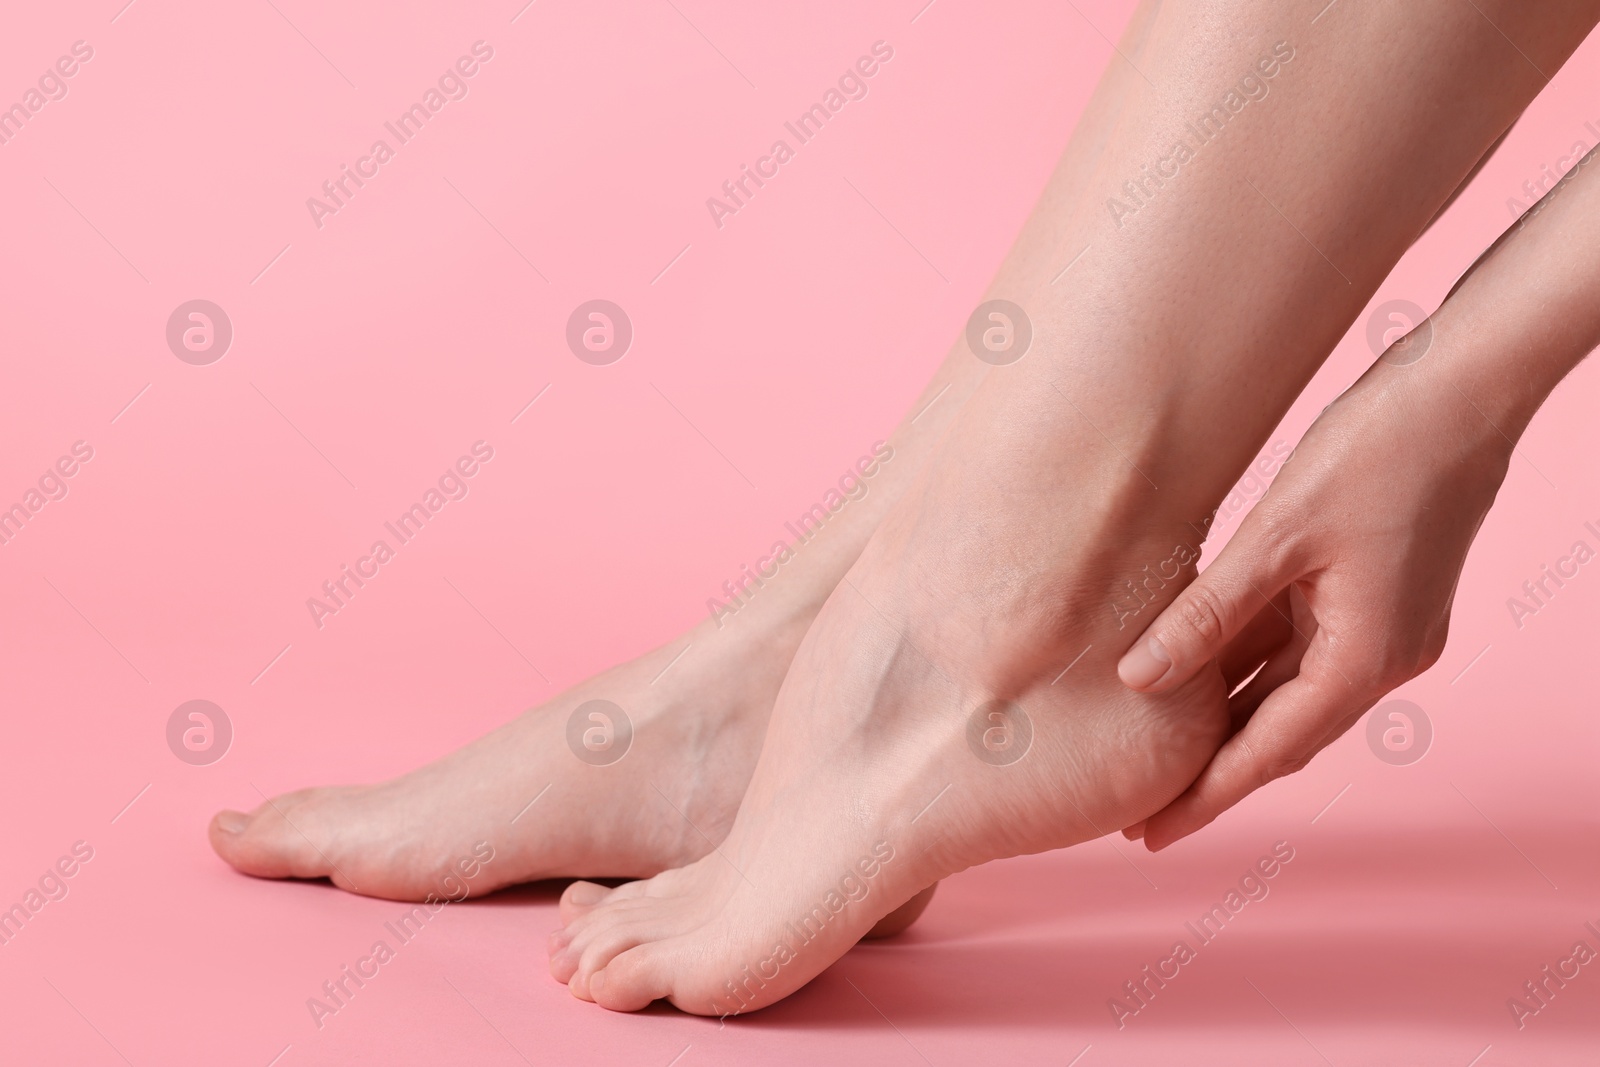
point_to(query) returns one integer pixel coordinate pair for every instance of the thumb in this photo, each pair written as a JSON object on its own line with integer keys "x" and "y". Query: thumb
{"x": 1195, "y": 628}
{"x": 1299, "y": 719}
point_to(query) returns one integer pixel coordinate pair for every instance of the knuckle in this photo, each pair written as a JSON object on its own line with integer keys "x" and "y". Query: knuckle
{"x": 1395, "y": 655}
{"x": 1278, "y": 536}
{"x": 1201, "y": 618}
{"x": 1376, "y": 666}
{"x": 1275, "y": 523}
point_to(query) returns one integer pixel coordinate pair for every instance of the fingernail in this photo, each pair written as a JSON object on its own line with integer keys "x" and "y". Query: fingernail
{"x": 1144, "y": 665}
{"x": 232, "y": 822}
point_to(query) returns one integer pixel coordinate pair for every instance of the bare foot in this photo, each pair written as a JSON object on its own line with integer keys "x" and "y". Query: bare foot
{"x": 696, "y": 732}
{"x": 925, "y": 727}
{"x": 534, "y": 799}
{"x": 1156, "y": 373}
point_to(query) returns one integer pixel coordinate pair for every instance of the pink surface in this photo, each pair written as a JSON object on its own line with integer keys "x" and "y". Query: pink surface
{"x": 426, "y": 314}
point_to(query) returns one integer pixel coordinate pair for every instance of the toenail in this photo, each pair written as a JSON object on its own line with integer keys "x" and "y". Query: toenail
{"x": 232, "y": 822}
{"x": 581, "y": 893}
{"x": 1145, "y": 664}
{"x": 597, "y": 982}
{"x": 559, "y": 939}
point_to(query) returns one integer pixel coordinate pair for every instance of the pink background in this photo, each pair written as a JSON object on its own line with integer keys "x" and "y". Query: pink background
{"x": 374, "y": 351}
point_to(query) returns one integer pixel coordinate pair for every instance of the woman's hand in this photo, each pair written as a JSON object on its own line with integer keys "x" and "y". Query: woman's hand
{"x": 1338, "y": 584}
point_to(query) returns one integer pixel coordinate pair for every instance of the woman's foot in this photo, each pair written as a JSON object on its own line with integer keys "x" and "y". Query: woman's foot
{"x": 550, "y": 798}
{"x": 699, "y": 728}
{"x": 928, "y": 724}
{"x": 548, "y": 794}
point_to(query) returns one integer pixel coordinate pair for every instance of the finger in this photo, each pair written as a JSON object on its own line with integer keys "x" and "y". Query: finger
{"x": 1262, "y": 636}
{"x": 1196, "y": 627}
{"x": 1295, "y": 722}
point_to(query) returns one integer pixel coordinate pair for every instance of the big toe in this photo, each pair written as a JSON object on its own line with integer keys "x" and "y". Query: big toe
{"x": 635, "y": 979}
{"x": 265, "y": 843}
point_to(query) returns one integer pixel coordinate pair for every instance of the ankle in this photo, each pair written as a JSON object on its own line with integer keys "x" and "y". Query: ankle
{"x": 974, "y": 576}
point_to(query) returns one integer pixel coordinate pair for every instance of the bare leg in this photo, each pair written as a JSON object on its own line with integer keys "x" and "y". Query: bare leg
{"x": 1059, "y": 511}
{"x": 698, "y": 729}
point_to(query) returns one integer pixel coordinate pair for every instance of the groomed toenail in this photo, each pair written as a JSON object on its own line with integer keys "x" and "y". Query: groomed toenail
{"x": 232, "y": 822}
{"x": 1145, "y": 664}
{"x": 585, "y": 893}
{"x": 559, "y": 939}
{"x": 597, "y": 982}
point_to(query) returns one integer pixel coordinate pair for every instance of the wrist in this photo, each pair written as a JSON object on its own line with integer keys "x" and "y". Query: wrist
{"x": 1499, "y": 361}
{"x": 1443, "y": 413}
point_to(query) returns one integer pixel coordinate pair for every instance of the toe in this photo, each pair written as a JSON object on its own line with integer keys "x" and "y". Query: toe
{"x": 563, "y": 962}
{"x": 637, "y": 978}
{"x": 264, "y": 843}
{"x": 580, "y": 898}
{"x": 600, "y": 925}
{"x": 605, "y": 946}
{"x": 584, "y": 899}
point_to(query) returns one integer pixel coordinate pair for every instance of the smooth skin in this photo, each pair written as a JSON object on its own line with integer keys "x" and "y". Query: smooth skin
{"x": 988, "y": 559}
{"x": 1188, "y": 329}
{"x": 699, "y": 720}
{"x": 1353, "y": 600}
